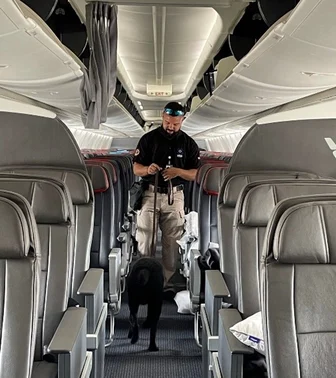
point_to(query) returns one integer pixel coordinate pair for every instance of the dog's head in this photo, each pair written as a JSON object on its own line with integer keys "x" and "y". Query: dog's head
{"x": 143, "y": 277}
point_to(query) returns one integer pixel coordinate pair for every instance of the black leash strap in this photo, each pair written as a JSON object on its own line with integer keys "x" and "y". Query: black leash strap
{"x": 154, "y": 214}
{"x": 170, "y": 193}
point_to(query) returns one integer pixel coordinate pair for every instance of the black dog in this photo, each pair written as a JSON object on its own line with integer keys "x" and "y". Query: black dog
{"x": 145, "y": 286}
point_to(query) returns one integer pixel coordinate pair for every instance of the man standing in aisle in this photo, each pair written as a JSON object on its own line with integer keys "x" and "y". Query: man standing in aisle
{"x": 171, "y": 152}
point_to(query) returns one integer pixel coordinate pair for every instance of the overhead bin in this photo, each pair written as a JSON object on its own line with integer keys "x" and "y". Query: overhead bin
{"x": 55, "y": 78}
{"x": 295, "y": 46}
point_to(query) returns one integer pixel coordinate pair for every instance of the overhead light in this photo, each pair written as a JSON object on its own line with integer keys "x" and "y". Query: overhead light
{"x": 141, "y": 107}
{"x": 139, "y": 103}
{"x": 3, "y": 66}
{"x": 260, "y": 98}
{"x": 53, "y": 93}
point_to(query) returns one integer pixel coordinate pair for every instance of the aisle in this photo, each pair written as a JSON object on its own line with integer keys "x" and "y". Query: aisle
{"x": 178, "y": 357}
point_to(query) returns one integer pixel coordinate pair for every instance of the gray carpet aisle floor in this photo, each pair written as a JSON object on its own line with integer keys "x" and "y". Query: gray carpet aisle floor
{"x": 178, "y": 357}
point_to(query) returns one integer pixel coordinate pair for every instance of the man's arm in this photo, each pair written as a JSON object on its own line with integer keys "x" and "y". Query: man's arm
{"x": 140, "y": 170}
{"x": 187, "y": 174}
{"x": 144, "y": 170}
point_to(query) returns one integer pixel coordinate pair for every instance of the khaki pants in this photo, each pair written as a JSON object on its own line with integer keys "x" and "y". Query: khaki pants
{"x": 171, "y": 221}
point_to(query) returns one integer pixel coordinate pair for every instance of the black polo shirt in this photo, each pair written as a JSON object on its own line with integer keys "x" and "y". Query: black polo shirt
{"x": 156, "y": 147}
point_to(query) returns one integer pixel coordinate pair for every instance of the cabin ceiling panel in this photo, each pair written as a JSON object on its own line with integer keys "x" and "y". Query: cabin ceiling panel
{"x": 173, "y": 44}
{"x": 169, "y": 42}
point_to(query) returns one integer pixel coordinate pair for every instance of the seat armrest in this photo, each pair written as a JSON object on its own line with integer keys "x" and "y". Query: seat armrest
{"x": 69, "y": 343}
{"x": 216, "y": 285}
{"x": 92, "y": 287}
{"x": 215, "y": 366}
{"x": 125, "y": 239}
{"x": 195, "y": 278}
{"x": 229, "y": 317}
{"x": 114, "y": 275}
{"x": 213, "y": 245}
{"x": 122, "y": 237}
{"x": 96, "y": 338}
{"x": 209, "y": 340}
{"x": 126, "y": 226}
{"x": 230, "y": 351}
{"x": 215, "y": 291}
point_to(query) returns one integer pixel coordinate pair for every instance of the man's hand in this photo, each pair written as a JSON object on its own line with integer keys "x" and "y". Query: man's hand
{"x": 153, "y": 168}
{"x": 170, "y": 173}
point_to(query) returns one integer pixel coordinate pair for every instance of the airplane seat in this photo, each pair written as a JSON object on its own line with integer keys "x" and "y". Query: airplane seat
{"x": 41, "y": 156}
{"x": 52, "y": 208}
{"x": 126, "y": 230}
{"x": 253, "y": 212}
{"x": 130, "y": 174}
{"x": 196, "y": 189}
{"x": 205, "y": 251}
{"x": 107, "y": 211}
{"x": 207, "y": 231}
{"x": 185, "y": 245}
{"x": 299, "y": 261}
{"x": 20, "y": 273}
{"x": 228, "y": 196}
{"x": 102, "y": 216}
{"x": 123, "y": 179}
{"x": 87, "y": 285}
{"x": 81, "y": 192}
{"x": 199, "y": 176}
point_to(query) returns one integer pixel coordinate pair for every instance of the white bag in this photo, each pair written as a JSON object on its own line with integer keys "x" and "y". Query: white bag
{"x": 182, "y": 299}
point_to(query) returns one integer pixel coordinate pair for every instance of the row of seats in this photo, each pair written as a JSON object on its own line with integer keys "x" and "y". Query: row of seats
{"x": 50, "y": 194}
{"x": 204, "y": 201}
{"x": 249, "y": 210}
{"x": 114, "y": 224}
{"x": 205, "y": 191}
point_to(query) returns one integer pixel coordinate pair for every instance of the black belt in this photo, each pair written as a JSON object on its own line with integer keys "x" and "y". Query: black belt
{"x": 164, "y": 190}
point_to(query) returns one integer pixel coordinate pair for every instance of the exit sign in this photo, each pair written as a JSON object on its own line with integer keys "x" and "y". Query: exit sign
{"x": 159, "y": 90}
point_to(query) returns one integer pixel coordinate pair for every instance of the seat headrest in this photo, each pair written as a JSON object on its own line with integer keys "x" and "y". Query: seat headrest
{"x": 108, "y": 165}
{"x": 302, "y": 231}
{"x": 98, "y": 177}
{"x": 77, "y": 182}
{"x": 257, "y": 201}
{"x": 41, "y": 150}
{"x": 203, "y": 169}
{"x": 201, "y": 172}
{"x": 47, "y": 200}
{"x": 14, "y": 232}
{"x": 212, "y": 181}
{"x": 235, "y": 182}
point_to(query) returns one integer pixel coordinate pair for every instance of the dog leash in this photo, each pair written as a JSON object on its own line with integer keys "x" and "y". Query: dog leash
{"x": 170, "y": 193}
{"x": 170, "y": 185}
{"x": 156, "y": 183}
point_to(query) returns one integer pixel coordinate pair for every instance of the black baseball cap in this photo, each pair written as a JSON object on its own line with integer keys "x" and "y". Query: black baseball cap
{"x": 174, "y": 109}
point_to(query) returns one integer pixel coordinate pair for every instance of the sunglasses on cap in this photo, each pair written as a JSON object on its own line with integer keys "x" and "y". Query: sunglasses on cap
{"x": 174, "y": 113}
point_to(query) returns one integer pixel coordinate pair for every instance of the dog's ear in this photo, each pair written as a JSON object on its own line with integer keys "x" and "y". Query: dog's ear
{"x": 143, "y": 277}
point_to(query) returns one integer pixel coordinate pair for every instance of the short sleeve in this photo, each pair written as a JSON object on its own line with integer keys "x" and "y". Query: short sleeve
{"x": 193, "y": 156}
{"x": 141, "y": 153}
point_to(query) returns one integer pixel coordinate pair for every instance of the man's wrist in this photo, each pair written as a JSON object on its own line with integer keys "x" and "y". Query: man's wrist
{"x": 179, "y": 171}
